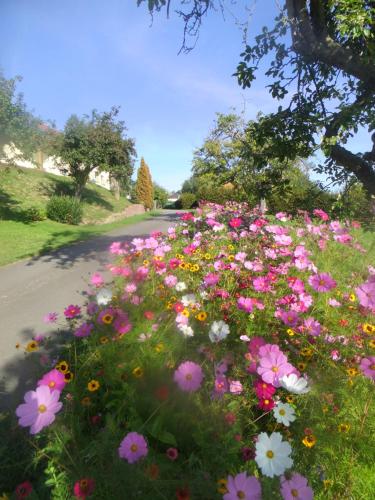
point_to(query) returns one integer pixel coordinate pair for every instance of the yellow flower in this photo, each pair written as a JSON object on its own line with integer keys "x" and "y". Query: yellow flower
{"x": 207, "y": 256}
{"x": 372, "y": 343}
{"x": 327, "y": 483}
{"x": 195, "y": 268}
{"x": 369, "y": 329}
{"x": 301, "y": 366}
{"x": 180, "y": 256}
{"x": 93, "y": 385}
{"x": 159, "y": 347}
{"x": 185, "y": 313}
{"x": 325, "y": 409}
{"x": 352, "y": 372}
{"x": 182, "y": 265}
{"x": 306, "y": 352}
{"x": 290, "y": 332}
{"x": 68, "y": 376}
{"x": 231, "y": 258}
{"x": 169, "y": 305}
{"x": 32, "y": 346}
{"x": 352, "y": 297}
{"x": 309, "y": 441}
{"x": 230, "y": 247}
{"x": 201, "y": 316}
{"x": 63, "y": 366}
{"x": 86, "y": 401}
{"x": 222, "y": 486}
{"x": 289, "y": 398}
{"x": 146, "y": 263}
{"x": 138, "y": 372}
{"x": 104, "y": 340}
{"x": 343, "y": 427}
{"x": 107, "y": 319}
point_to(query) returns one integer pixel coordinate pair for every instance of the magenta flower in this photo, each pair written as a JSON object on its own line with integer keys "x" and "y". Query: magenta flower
{"x": 273, "y": 365}
{"x": 188, "y": 376}
{"x": 39, "y": 409}
{"x": 255, "y": 344}
{"x": 97, "y": 280}
{"x": 366, "y": 294}
{"x": 322, "y": 282}
{"x": 54, "y": 380}
{"x": 133, "y": 447}
{"x": 84, "y": 330}
{"x": 290, "y": 318}
{"x": 318, "y": 212}
{"x": 72, "y": 311}
{"x": 50, "y": 317}
{"x": 295, "y": 488}
{"x": 211, "y": 279}
{"x": 235, "y": 222}
{"x": 243, "y": 486}
{"x": 83, "y": 488}
{"x": 172, "y": 454}
{"x": 263, "y": 390}
{"x": 367, "y": 367}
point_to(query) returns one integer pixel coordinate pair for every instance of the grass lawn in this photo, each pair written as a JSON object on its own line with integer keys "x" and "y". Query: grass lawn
{"x": 19, "y": 240}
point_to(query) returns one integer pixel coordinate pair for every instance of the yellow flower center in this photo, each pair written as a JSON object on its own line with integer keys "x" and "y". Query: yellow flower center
{"x": 275, "y": 369}
{"x": 52, "y": 384}
{"x": 372, "y": 367}
{"x": 134, "y": 448}
{"x": 42, "y": 408}
{"x": 241, "y": 494}
{"x": 294, "y": 493}
{"x": 282, "y": 412}
{"x": 270, "y": 454}
{"x": 189, "y": 376}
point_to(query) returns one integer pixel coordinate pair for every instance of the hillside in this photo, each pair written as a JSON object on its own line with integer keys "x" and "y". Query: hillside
{"x": 22, "y": 188}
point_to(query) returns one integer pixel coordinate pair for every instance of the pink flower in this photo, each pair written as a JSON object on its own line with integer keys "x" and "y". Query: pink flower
{"x": 115, "y": 248}
{"x": 261, "y": 284}
{"x": 263, "y": 390}
{"x": 72, "y": 311}
{"x": 54, "y": 380}
{"x": 211, "y": 279}
{"x": 366, "y": 294}
{"x": 334, "y": 303}
{"x": 235, "y": 387}
{"x": 318, "y": 212}
{"x": 84, "y": 488}
{"x": 367, "y": 367}
{"x": 290, "y": 318}
{"x": 235, "y": 222}
{"x": 84, "y": 330}
{"x": 273, "y": 364}
{"x": 97, "y": 280}
{"x": 243, "y": 486}
{"x": 255, "y": 344}
{"x": 295, "y": 488}
{"x": 50, "y": 317}
{"x": 39, "y": 409}
{"x": 133, "y": 447}
{"x": 172, "y": 453}
{"x": 322, "y": 282}
{"x": 170, "y": 281}
{"x": 188, "y": 376}
{"x": 312, "y": 327}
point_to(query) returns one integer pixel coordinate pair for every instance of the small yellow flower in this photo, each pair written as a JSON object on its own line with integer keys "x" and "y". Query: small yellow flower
{"x": 327, "y": 483}
{"x": 138, "y": 372}
{"x": 159, "y": 347}
{"x": 222, "y": 486}
{"x": 231, "y": 258}
{"x": 230, "y": 247}
{"x": 86, "y": 401}
{"x": 343, "y": 427}
{"x": 309, "y": 441}
{"x": 352, "y": 297}
{"x": 325, "y": 409}
{"x": 104, "y": 340}
{"x": 182, "y": 265}
{"x": 146, "y": 262}
{"x": 207, "y": 256}
{"x": 169, "y": 305}
{"x": 352, "y": 372}
{"x": 306, "y": 352}
{"x": 290, "y": 332}
{"x": 173, "y": 298}
{"x": 201, "y": 316}
{"x": 93, "y": 385}
{"x": 185, "y": 313}
{"x": 368, "y": 328}
{"x": 68, "y": 376}
{"x": 107, "y": 319}
{"x": 32, "y": 346}
{"x": 289, "y": 399}
{"x": 63, "y": 366}
{"x": 372, "y": 343}
{"x": 180, "y": 256}
{"x": 301, "y": 366}
{"x": 195, "y": 268}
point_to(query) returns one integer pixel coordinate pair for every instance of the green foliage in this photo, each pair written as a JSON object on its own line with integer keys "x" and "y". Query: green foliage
{"x": 186, "y": 201}
{"x": 144, "y": 188}
{"x": 65, "y": 209}
{"x": 17, "y": 125}
{"x": 352, "y": 203}
{"x": 94, "y": 142}
{"x": 160, "y": 195}
{"x": 34, "y": 214}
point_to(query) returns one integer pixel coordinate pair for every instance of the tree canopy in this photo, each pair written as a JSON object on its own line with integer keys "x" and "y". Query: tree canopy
{"x": 93, "y": 142}
{"x": 17, "y": 125}
{"x": 322, "y": 69}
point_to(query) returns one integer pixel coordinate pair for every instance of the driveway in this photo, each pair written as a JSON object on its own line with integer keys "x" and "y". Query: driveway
{"x": 30, "y": 289}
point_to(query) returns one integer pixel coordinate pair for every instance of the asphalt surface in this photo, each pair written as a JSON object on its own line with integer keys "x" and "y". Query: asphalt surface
{"x": 32, "y": 288}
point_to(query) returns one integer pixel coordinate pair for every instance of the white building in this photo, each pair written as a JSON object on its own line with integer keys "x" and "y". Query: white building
{"x": 41, "y": 161}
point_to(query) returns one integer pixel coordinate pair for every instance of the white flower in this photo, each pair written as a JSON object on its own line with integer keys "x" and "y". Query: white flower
{"x": 295, "y": 384}
{"x": 186, "y": 330}
{"x": 218, "y": 331}
{"x": 272, "y": 454}
{"x": 189, "y": 299}
{"x": 284, "y": 413}
{"x": 180, "y": 287}
{"x": 104, "y": 296}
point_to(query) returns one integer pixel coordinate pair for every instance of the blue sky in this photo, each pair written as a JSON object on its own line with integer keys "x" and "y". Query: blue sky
{"x": 77, "y": 55}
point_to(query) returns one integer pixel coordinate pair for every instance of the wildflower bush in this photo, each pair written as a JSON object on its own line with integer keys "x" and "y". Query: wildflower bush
{"x": 229, "y": 358}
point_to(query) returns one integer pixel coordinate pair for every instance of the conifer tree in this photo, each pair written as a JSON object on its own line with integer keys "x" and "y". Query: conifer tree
{"x": 144, "y": 188}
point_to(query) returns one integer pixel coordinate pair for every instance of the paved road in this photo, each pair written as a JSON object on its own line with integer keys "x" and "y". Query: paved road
{"x": 32, "y": 288}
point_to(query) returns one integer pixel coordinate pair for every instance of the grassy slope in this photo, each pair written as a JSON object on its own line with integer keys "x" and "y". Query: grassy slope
{"x": 22, "y": 188}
